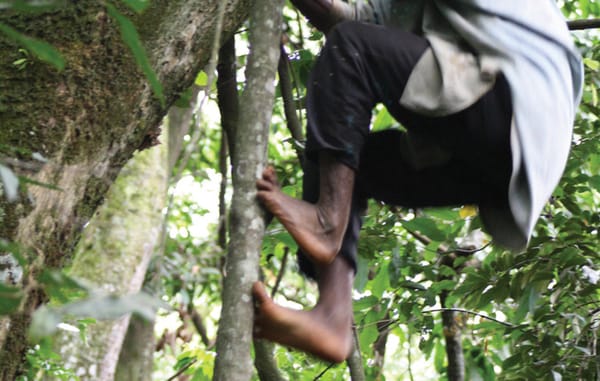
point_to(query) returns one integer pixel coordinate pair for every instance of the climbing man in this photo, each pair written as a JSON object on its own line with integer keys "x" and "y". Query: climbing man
{"x": 487, "y": 92}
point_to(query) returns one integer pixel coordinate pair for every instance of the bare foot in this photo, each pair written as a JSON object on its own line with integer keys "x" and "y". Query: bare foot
{"x": 324, "y": 331}
{"x": 312, "y": 227}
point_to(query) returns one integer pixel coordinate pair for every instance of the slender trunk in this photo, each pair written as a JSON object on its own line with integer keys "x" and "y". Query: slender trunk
{"x": 137, "y": 353}
{"x": 355, "y": 363}
{"x": 234, "y": 336}
{"x": 125, "y": 231}
{"x": 452, "y": 332}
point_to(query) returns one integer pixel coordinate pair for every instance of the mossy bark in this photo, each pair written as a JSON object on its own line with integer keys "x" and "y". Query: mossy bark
{"x": 113, "y": 254}
{"x": 87, "y": 120}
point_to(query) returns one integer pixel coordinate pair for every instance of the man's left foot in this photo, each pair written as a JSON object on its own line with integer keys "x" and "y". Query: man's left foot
{"x": 325, "y": 331}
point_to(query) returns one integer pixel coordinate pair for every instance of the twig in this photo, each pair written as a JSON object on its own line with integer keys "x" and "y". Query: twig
{"x": 583, "y": 24}
{"x": 462, "y": 310}
{"x": 180, "y": 371}
{"x": 281, "y": 271}
{"x": 410, "y": 372}
{"x": 354, "y": 361}
{"x": 458, "y": 250}
{"x": 324, "y": 371}
{"x": 289, "y": 106}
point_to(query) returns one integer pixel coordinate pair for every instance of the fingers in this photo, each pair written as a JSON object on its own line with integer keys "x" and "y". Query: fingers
{"x": 263, "y": 185}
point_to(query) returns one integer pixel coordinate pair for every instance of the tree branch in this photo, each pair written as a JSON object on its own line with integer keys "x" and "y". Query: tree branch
{"x": 281, "y": 271}
{"x": 289, "y": 105}
{"x": 228, "y": 101}
{"x": 354, "y": 361}
{"x": 583, "y": 24}
{"x": 247, "y": 224}
{"x": 462, "y": 310}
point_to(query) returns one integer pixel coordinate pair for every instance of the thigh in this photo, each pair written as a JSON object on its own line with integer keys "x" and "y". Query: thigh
{"x": 361, "y": 65}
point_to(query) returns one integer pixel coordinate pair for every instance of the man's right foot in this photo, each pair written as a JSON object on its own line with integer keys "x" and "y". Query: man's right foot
{"x": 312, "y": 227}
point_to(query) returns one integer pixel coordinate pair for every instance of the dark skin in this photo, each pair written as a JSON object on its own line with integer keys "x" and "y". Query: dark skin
{"x": 324, "y": 331}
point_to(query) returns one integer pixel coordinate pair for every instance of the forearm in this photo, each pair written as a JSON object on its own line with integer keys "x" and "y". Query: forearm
{"x": 324, "y": 14}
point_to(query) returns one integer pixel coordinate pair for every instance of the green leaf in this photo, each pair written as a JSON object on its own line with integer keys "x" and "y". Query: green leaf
{"x": 10, "y": 299}
{"x": 10, "y": 183}
{"x": 31, "y": 6}
{"x": 44, "y": 323}
{"x": 381, "y": 282}
{"x": 40, "y": 49}
{"x": 201, "y": 79}
{"x": 102, "y": 307}
{"x": 592, "y": 64}
{"x": 367, "y": 336}
{"x": 413, "y": 285}
{"x": 364, "y": 303}
{"x": 444, "y": 285}
{"x": 425, "y": 226}
{"x": 362, "y": 273}
{"x": 132, "y": 39}
{"x": 137, "y": 5}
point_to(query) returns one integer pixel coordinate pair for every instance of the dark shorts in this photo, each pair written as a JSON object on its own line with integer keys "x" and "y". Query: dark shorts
{"x": 363, "y": 65}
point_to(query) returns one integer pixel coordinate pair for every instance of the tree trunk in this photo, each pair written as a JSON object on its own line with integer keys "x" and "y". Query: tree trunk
{"x": 87, "y": 120}
{"x": 452, "y": 331}
{"x": 114, "y": 253}
{"x": 234, "y": 335}
{"x": 137, "y": 353}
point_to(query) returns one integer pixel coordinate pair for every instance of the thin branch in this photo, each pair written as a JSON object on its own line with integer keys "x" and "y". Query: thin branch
{"x": 462, "y": 310}
{"x": 281, "y": 271}
{"x": 289, "y": 105}
{"x": 354, "y": 361}
{"x": 210, "y": 73}
{"x": 180, "y": 371}
{"x": 583, "y": 24}
{"x": 200, "y": 327}
{"x": 324, "y": 371}
{"x": 264, "y": 361}
{"x": 458, "y": 250}
{"x": 410, "y": 372}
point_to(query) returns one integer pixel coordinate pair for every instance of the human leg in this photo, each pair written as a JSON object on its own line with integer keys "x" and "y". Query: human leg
{"x": 319, "y": 227}
{"x": 360, "y": 66}
{"x": 324, "y": 331}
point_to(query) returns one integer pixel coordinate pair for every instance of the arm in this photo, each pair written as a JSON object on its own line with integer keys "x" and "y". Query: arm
{"x": 324, "y": 14}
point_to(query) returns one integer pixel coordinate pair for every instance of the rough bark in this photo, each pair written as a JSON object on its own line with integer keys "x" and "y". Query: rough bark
{"x": 137, "y": 353}
{"x": 114, "y": 253}
{"x": 227, "y": 95}
{"x": 452, "y": 332}
{"x": 87, "y": 120}
{"x": 234, "y": 336}
{"x": 355, "y": 362}
{"x": 265, "y": 363}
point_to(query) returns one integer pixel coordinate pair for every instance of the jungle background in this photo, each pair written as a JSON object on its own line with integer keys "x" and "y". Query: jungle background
{"x": 124, "y": 133}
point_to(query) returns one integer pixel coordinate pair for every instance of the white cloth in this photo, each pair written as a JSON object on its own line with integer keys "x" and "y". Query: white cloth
{"x": 471, "y": 41}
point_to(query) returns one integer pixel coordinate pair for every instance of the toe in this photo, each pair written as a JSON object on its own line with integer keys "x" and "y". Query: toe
{"x": 259, "y": 293}
{"x": 270, "y": 175}
{"x": 265, "y": 185}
